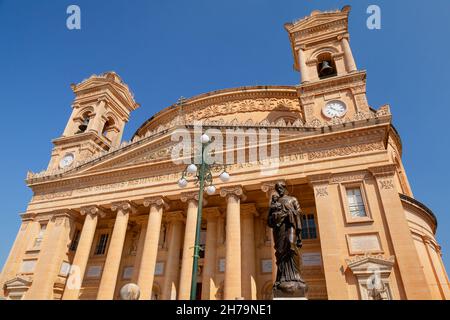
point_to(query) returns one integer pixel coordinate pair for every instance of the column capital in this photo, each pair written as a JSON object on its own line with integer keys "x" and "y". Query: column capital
{"x": 174, "y": 216}
{"x": 318, "y": 179}
{"x": 189, "y": 196}
{"x": 92, "y": 210}
{"x": 234, "y": 191}
{"x": 212, "y": 213}
{"x": 62, "y": 213}
{"x": 248, "y": 210}
{"x": 269, "y": 186}
{"x": 156, "y": 201}
{"x": 126, "y": 206}
{"x": 383, "y": 171}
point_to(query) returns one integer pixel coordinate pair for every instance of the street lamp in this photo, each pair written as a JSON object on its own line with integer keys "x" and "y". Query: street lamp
{"x": 203, "y": 175}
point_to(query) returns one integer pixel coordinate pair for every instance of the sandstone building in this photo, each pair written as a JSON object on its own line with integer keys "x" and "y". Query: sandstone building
{"x": 114, "y": 210}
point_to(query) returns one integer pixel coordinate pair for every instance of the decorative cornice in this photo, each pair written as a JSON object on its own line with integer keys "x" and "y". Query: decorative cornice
{"x": 383, "y": 171}
{"x": 422, "y": 207}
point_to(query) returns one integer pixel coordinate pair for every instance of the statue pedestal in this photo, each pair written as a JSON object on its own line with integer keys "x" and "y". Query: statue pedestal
{"x": 292, "y": 290}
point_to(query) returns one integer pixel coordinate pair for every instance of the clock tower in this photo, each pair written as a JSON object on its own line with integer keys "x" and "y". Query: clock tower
{"x": 332, "y": 88}
{"x": 101, "y": 107}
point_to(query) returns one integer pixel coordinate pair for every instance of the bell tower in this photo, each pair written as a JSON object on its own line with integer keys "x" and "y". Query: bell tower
{"x": 332, "y": 87}
{"x": 100, "y": 110}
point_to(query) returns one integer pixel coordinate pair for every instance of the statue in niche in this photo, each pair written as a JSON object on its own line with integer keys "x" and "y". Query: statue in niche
{"x": 284, "y": 219}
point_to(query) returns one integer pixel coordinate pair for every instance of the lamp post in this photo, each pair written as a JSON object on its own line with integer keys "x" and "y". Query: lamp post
{"x": 203, "y": 174}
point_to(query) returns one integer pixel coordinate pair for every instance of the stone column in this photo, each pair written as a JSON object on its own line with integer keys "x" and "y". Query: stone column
{"x": 248, "y": 211}
{"x": 188, "y": 246}
{"x": 304, "y": 69}
{"x": 150, "y": 251}
{"x": 172, "y": 264}
{"x": 78, "y": 268}
{"x": 209, "y": 267}
{"x": 232, "y": 282}
{"x": 348, "y": 56}
{"x": 95, "y": 124}
{"x": 340, "y": 63}
{"x": 53, "y": 249}
{"x": 112, "y": 263}
{"x": 330, "y": 238}
{"x": 143, "y": 222}
{"x": 411, "y": 272}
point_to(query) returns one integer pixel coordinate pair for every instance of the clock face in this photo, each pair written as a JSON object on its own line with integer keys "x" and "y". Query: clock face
{"x": 334, "y": 109}
{"x": 66, "y": 160}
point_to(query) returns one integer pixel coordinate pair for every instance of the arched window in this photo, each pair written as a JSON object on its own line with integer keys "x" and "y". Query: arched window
{"x": 326, "y": 66}
{"x": 84, "y": 122}
{"x": 107, "y": 127}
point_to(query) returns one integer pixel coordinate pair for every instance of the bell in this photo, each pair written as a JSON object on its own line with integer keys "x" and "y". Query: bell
{"x": 326, "y": 69}
{"x": 82, "y": 127}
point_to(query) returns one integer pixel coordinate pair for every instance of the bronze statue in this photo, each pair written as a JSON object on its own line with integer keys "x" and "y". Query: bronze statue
{"x": 284, "y": 219}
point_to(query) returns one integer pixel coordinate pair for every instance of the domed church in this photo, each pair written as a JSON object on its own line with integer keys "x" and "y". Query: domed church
{"x": 107, "y": 212}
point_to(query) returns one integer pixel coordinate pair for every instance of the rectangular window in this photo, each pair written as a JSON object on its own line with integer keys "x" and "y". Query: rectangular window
{"x": 101, "y": 244}
{"x": 75, "y": 240}
{"x": 356, "y": 203}
{"x": 309, "y": 230}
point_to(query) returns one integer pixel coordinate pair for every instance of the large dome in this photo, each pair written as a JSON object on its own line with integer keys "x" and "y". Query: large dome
{"x": 255, "y": 103}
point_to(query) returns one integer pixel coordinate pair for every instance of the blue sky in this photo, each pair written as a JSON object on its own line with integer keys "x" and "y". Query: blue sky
{"x": 167, "y": 49}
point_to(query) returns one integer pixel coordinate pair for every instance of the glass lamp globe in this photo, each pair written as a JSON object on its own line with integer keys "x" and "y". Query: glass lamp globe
{"x": 204, "y": 138}
{"x": 210, "y": 190}
{"x": 224, "y": 176}
{"x": 182, "y": 183}
{"x": 192, "y": 168}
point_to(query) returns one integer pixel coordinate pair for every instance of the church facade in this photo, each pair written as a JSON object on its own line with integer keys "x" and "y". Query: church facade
{"x": 106, "y": 213}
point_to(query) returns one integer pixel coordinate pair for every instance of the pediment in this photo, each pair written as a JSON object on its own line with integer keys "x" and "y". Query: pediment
{"x": 367, "y": 264}
{"x": 150, "y": 151}
{"x": 17, "y": 282}
{"x": 317, "y": 19}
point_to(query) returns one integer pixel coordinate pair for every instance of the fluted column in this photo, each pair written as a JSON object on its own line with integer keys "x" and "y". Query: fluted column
{"x": 53, "y": 250}
{"x": 112, "y": 263}
{"x": 150, "y": 251}
{"x": 248, "y": 212}
{"x": 188, "y": 246}
{"x": 172, "y": 265}
{"x": 348, "y": 56}
{"x": 232, "y": 282}
{"x": 209, "y": 267}
{"x": 81, "y": 258}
